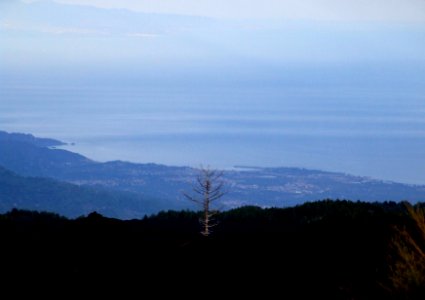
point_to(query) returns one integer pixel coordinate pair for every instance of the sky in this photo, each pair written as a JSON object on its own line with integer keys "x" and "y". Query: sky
{"x": 254, "y": 34}
{"x": 366, "y": 56}
{"x": 341, "y": 10}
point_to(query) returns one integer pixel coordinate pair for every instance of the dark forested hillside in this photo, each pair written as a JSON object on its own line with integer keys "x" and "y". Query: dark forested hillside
{"x": 68, "y": 199}
{"x": 331, "y": 249}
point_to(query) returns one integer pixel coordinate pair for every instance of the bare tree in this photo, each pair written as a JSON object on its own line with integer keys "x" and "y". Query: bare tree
{"x": 208, "y": 188}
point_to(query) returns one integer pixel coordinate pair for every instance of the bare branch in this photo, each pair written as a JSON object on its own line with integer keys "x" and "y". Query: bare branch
{"x": 218, "y": 196}
{"x": 208, "y": 188}
{"x": 190, "y": 198}
{"x": 198, "y": 191}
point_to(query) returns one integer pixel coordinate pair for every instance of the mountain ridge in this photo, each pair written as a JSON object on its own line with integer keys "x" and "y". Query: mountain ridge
{"x": 70, "y": 200}
{"x": 84, "y": 19}
{"x": 265, "y": 187}
{"x": 31, "y": 139}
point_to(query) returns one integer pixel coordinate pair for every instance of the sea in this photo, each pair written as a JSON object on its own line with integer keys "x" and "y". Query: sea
{"x": 367, "y": 131}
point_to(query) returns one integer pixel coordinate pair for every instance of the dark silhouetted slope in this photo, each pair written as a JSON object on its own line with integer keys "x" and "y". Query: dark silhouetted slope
{"x": 320, "y": 250}
{"x": 68, "y": 199}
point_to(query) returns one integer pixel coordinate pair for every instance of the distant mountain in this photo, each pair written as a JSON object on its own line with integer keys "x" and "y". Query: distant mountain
{"x": 30, "y": 139}
{"x": 48, "y": 17}
{"x": 30, "y": 159}
{"x": 118, "y": 46}
{"x": 247, "y": 186}
{"x": 68, "y": 199}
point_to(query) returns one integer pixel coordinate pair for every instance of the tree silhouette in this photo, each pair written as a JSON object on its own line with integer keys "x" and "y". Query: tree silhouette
{"x": 208, "y": 188}
{"x": 407, "y": 266}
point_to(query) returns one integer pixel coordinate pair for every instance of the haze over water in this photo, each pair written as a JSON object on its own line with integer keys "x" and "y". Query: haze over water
{"x": 339, "y": 92}
{"x": 363, "y": 131}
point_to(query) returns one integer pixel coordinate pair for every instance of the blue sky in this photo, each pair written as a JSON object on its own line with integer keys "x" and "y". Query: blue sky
{"x": 362, "y": 60}
{"x": 343, "y": 10}
{"x": 137, "y": 39}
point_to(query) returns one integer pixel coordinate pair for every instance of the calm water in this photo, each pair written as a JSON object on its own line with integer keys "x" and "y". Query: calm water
{"x": 372, "y": 132}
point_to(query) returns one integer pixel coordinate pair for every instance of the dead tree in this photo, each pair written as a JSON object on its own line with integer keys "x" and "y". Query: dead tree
{"x": 208, "y": 188}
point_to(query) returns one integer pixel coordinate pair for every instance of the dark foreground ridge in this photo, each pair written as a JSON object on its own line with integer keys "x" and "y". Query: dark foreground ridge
{"x": 332, "y": 249}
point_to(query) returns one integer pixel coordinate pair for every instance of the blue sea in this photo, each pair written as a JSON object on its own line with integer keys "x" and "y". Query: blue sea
{"x": 376, "y": 132}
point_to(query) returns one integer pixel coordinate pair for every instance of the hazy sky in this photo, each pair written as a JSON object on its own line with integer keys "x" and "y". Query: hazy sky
{"x": 304, "y": 62}
{"x": 347, "y": 10}
{"x": 338, "y": 32}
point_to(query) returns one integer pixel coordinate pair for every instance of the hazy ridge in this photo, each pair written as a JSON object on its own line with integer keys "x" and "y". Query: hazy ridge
{"x": 158, "y": 187}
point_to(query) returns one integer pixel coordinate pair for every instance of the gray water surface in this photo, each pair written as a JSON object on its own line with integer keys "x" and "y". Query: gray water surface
{"x": 373, "y": 132}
